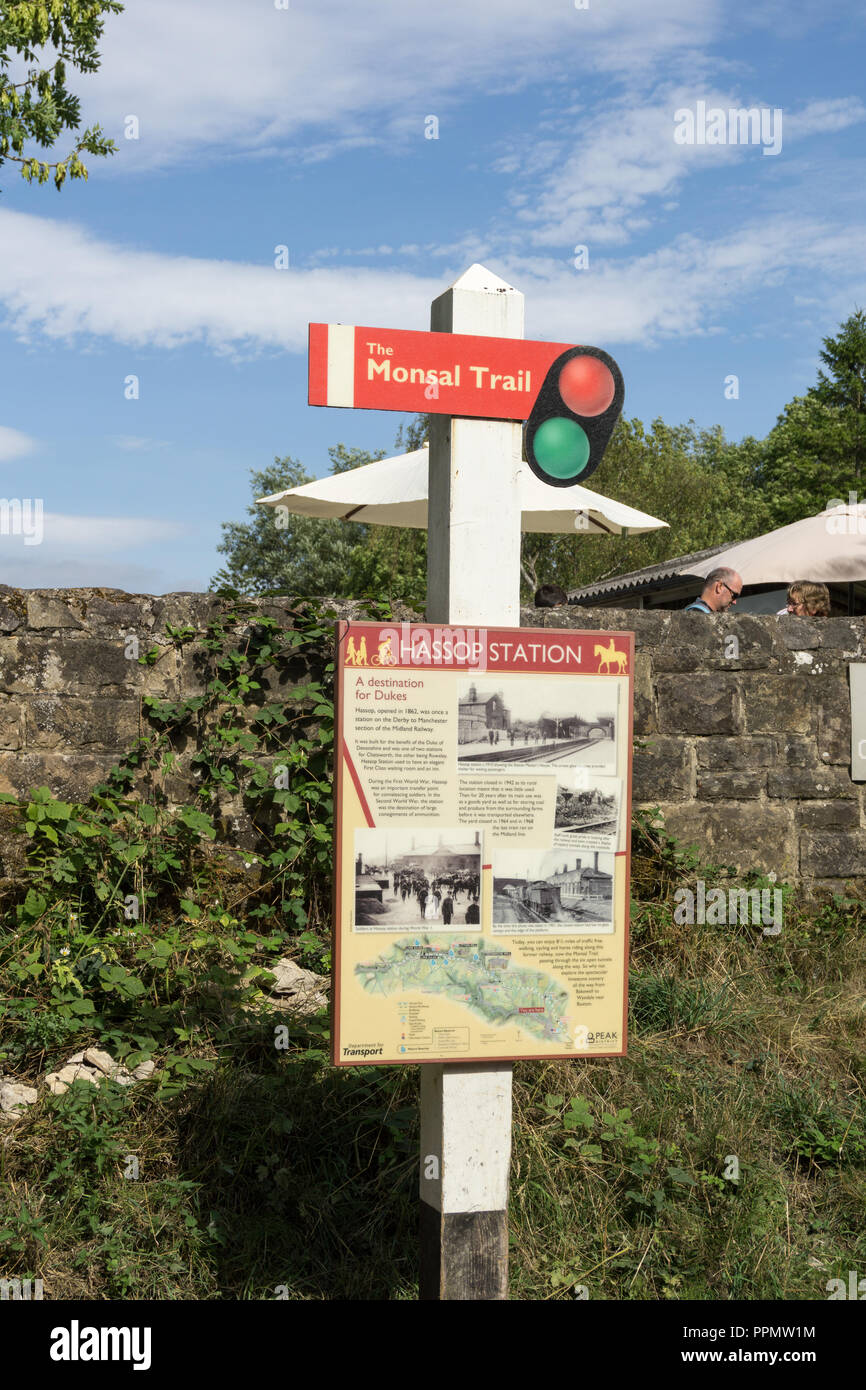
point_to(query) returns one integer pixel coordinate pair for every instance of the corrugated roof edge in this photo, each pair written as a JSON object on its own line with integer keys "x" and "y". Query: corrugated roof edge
{"x": 671, "y": 570}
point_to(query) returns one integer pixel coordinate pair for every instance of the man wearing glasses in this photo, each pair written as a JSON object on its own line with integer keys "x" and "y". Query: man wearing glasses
{"x": 722, "y": 587}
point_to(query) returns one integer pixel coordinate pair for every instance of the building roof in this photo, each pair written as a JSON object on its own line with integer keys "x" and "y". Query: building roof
{"x": 652, "y": 577}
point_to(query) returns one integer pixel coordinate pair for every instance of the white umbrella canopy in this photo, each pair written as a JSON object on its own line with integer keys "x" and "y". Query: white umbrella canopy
{"x": 393, "y": 492}
{"x": 829, "y": 548}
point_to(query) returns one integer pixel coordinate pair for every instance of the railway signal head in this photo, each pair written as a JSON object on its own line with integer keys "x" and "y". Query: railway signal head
{"x": 573, "y": 416}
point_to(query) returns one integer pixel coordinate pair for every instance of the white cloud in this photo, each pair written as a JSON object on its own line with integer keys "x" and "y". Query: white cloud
{"x": 601, "y": 187}
{"x": 14, "y": 444}
{"x": 97, "y": 535}
{"x": 59, "y": 550}
{"x": 61, "y": 282}
{"x": 824, "y": 117}
{"x": 90, "y": 287}
{"x": 319, "y": 77}
{"x": 30, "y": 569}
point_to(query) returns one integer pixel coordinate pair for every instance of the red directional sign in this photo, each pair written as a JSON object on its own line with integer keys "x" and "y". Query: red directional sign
{"x": 433, "y": 373}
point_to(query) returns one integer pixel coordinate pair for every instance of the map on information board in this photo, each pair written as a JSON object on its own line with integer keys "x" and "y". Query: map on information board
{"x": 482, "y": 806}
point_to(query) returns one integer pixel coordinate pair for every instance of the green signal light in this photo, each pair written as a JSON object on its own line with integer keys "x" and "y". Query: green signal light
{"x": 561, "y": 447}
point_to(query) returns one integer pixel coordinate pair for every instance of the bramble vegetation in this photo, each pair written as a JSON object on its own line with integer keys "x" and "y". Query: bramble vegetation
{"x": 249, "y": 1170}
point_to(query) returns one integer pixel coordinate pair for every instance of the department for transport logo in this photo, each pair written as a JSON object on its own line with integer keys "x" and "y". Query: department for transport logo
{"x": 361, "y": 1050}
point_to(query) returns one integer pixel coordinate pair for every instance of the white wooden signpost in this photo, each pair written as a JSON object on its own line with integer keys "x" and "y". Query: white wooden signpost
{"x": 473, "y": 579}
{"x": 473, "y": 582}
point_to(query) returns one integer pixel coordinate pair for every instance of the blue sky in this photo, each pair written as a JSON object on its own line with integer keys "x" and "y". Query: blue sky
{"x": 305, "y": 127}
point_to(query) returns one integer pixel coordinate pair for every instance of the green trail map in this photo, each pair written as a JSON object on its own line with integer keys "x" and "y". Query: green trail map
{"x": 473, "y": 973}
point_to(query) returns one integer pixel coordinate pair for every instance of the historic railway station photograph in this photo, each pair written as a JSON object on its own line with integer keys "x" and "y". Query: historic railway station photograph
{"x": 404, "y": 878}
{"x": 585, "y": 806}
{"x": 532, "y": 721}
{"x": 546, "y": 886}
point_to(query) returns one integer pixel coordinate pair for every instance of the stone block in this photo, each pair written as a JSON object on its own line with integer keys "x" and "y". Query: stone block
{"x": 778, "y": 704}
{"x": 113, "y": 614}
{"x": 797, "y": 751}
{"x": 14, "y": 1099}
{"x": 752, "y": 835}
{"x": 661, "y": 771}
{"x": 187, "y": 610}
{"x": 10, "y": 723}
{"x": 828, "y": 815}
{"x": 103, "y": 1061}
{"x": 645, "y": 721}
{"x": 833, "y": 703}
{"x": 13, "y": 845}
{"x": 844, "y": 636}
{"x": 833, "y": 854}
{"x": 194, "y": 674}
{"x": 66, "y": 722}
{"x": 754, "y": 647}
{"x": 70, "y": 777}
{"x": 800, "y": 634}
{"x": 825, "y": 889}
{"x": 703, "y": 704}
{"x": 60, "y": 1081}
{"x": 649, "y": 628}
{"x": 734, "y": 754}
{"x": 810, "y": 784}
{"x": 79, "y": 665}
{"x": 691, "y": 641}
{"x": 54, "y": 610}
{"x": 12, "y": 615}
{"x": 730, "y": 786}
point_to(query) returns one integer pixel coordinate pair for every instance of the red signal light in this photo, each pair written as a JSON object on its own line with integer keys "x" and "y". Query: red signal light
{"x": 586, "y": 385}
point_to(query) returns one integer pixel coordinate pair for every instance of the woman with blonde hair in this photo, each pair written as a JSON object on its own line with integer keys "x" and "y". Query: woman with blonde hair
{"x": 808, "y": 600}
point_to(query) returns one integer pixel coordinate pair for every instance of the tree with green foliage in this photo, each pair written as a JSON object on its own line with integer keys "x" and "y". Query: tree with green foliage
{"x": 39, "y": 108}
{"x": 701, "y": 484}
{"x": 299, "y": 555}
{"x": 304, "y": 556}
{"x": 391, "y": 563}
{"x": 817, "y": 449}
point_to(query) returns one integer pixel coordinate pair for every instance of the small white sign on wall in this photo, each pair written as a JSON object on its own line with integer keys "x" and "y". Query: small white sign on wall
{"x": 857, "y": 675}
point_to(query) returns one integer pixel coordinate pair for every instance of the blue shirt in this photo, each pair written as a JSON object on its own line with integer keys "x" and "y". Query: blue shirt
{"x": 698, "y": 607}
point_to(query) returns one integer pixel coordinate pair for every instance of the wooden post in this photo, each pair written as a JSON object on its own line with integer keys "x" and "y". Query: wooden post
{"x": 473, "y": 579}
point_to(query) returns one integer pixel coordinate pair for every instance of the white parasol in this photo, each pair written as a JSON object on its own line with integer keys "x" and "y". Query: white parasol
{"x": 393, "y": 492}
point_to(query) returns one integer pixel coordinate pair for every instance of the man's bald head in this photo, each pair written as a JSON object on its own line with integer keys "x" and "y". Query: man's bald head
{"x": 722, "y": 587}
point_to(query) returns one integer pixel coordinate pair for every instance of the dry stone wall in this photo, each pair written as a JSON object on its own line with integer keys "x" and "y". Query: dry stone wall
{"x": 742, "y": 722}
{"x": 744, "y": 732}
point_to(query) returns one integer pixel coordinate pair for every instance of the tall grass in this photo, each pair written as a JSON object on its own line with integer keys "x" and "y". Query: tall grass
{"x": 723, "y": 1158}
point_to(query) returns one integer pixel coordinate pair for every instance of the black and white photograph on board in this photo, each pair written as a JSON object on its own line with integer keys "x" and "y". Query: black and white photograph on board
{"x": 417, "y": 877}
{"x": 587, "y": 813}
{"x": 529, "y": 722}
{"x": 552, "y": 892}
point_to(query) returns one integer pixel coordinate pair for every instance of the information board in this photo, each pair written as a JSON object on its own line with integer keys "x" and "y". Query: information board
{"x": 482, "y": 806}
